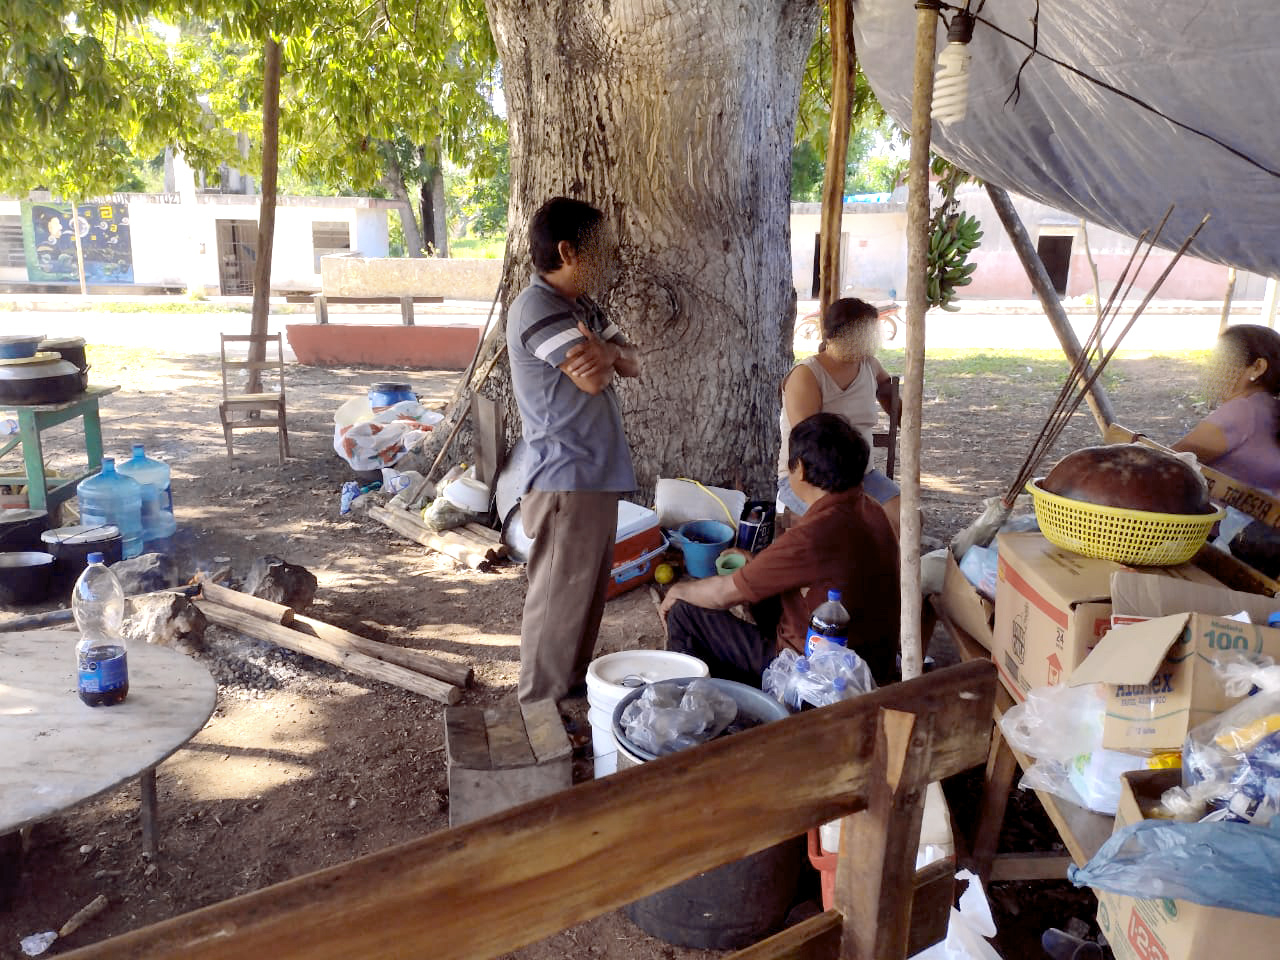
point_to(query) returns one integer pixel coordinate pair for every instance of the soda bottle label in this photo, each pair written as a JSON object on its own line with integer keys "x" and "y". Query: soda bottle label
{"x": 103, "y": 671}
{"x": 815, "y": 634}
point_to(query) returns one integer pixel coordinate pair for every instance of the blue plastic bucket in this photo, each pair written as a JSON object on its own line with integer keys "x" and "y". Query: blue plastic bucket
{"x": 702, "y": 541}
{"x": 383, "y": 395}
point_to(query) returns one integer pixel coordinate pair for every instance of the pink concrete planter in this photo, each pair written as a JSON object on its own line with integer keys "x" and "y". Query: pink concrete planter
{"x": 384, "y": 345}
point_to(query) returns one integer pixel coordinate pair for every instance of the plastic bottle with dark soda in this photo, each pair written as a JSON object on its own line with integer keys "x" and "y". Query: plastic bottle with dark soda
{"x": 829, "y": 622}
{"x": 102, "y": 665}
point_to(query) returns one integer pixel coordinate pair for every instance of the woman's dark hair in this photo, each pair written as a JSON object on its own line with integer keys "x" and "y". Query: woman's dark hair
{"x": 560, "y": 218}
{"x": 833, "y": 453}
{"x": 1258, "y": 342}
{"x": 846, "y": 311}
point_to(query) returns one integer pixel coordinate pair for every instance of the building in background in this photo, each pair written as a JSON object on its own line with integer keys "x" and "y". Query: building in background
{"x": 873, "y": 255}
{"x": 136, "y": 240}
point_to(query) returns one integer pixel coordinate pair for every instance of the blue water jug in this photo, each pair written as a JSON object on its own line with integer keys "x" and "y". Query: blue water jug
{"x": 158, "y": 522}
{"x": 110, "y": 497}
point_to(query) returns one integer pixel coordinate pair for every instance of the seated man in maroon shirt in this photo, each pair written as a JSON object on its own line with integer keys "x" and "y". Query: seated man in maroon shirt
{"x": 842, "y": 542}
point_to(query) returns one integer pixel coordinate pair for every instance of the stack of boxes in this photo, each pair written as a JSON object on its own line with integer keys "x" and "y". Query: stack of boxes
{"x": 1149, "y": 636}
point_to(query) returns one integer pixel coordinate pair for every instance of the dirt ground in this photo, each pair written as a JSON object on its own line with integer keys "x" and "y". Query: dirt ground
{"x": 302, "y": 766}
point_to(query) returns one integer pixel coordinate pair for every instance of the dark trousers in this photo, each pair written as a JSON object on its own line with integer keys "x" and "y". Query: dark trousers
{"x": 732, "y": 648}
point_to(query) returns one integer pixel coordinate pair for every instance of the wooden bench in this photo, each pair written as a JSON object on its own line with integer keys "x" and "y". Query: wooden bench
{"x": 322, "y": 302}
{"x": 512, "y": 879}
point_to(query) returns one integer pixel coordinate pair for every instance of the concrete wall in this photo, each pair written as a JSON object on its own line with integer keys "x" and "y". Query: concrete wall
{"x": 357, "y": 276}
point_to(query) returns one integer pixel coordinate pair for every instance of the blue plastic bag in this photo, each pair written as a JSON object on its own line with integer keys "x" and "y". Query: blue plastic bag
{"x": 1231, "y": 865}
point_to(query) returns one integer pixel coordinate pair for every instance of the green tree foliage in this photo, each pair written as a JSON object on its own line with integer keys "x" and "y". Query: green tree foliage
{"x": 87, "y": 86}
{"x": 868, "y": 167}
{"x": 480, "y": 198}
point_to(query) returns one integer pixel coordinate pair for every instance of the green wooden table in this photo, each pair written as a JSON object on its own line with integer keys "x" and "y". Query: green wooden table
{"x": 36, "y": 418}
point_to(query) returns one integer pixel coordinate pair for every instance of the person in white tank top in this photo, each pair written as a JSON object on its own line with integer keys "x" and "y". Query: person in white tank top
{"x": 845, "y": 378}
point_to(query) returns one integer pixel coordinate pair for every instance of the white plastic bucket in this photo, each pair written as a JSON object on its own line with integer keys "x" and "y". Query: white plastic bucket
{"x": 612, "y": 677}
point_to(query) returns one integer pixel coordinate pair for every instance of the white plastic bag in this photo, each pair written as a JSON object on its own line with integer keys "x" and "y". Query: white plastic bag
{"x": 383, "y": 440}
{"x": 1061, "y": 727}
{"x": 969, "y": 928}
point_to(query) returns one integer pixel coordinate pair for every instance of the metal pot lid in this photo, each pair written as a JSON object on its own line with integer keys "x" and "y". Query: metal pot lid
{"x": 388, "y": 386}
{"x": 21, "y": 338}
{"x": 21, "y": 516}
{"x": 62, "y": 343}
{"x": 72, "y": 536}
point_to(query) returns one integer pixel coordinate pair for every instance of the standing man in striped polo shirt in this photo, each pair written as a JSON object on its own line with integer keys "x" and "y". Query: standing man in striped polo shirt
{"x": 564, "y": 356}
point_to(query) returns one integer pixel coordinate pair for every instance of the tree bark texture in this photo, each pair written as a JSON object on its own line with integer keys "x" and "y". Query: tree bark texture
{"x": 676, "y": 118}
{"x": 393, "y": 181}
{"x": 267, "y": 207}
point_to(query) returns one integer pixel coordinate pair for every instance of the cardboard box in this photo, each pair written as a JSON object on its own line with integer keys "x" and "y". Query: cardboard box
{"x": 1160, "y": 676}
{"x": 1164, "y": 929}
{"x": 1052, "y": 608}
{"x": 968, "y": 609}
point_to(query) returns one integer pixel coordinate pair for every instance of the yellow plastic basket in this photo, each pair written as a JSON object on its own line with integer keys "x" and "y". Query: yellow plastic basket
{"x": 1137, "y": 537}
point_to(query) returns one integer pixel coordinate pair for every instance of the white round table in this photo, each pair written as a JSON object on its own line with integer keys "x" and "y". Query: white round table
{"x": 56, "y": 751}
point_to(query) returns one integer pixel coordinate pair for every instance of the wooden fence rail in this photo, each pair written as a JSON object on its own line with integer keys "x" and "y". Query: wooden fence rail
{"x": 517, "y": 877}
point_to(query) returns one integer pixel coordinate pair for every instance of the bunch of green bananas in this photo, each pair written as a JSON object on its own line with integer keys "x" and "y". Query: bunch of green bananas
{"x": 954, "y": 237}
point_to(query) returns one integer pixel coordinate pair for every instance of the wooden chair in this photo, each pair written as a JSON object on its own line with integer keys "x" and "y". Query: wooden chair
{"x": 888, "y": 439}
{"x": 253, "y": 403}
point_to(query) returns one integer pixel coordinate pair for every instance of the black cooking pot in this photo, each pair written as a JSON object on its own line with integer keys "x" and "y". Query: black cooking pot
{"x": 20, "y": 530}
{"x": 24, "y": 577}
{"x": 71, "y": 349}
{"x": 44, "y": 378}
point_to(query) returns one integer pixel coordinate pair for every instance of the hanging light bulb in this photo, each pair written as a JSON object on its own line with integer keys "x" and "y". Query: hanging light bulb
{"x": 951, "y": 85}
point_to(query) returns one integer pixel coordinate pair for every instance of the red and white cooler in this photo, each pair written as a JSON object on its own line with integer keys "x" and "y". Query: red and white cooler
{"x": 638, "y": 544}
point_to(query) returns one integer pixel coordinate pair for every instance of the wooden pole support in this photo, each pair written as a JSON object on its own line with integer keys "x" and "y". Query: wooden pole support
{"x": 878, "y": 845}
{"x": 917, "y": 304}
{"x": 349, "y": 660}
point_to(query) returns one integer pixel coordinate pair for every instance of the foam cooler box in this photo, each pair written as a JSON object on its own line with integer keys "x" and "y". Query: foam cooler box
{"x": 637, "y": 546}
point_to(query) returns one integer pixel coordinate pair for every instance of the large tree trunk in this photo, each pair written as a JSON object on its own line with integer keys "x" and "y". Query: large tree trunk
{"x": 393, "y": 182}
{"x": 676, "y": 119}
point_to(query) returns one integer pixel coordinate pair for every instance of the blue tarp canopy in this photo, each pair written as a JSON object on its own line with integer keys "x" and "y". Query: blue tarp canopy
{"x": 1204, "y": 137}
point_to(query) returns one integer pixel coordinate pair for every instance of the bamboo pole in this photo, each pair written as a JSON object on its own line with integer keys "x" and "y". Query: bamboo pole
{"x": 349, "y": 660}
{"x": 842, "y": 73}
{"x": 1099, "y": 402}
{"x": 917, "y": 305}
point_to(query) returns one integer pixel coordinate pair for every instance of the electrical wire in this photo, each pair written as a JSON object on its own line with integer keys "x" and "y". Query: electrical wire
{"x": 1137, "y": 101}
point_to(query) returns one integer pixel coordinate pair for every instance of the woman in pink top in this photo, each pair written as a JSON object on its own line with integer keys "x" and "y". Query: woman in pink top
{"x": 845, "y": 378}
{"x": 1239, "y": 438}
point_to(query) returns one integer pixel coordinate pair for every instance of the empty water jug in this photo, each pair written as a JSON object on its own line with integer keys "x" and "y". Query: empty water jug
{"x": 158, "y": 522}
{"x": 111, "y": 497}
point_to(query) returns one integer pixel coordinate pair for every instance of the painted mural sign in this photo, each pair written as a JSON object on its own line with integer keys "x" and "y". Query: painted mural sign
{"x": 50, "y": 246}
